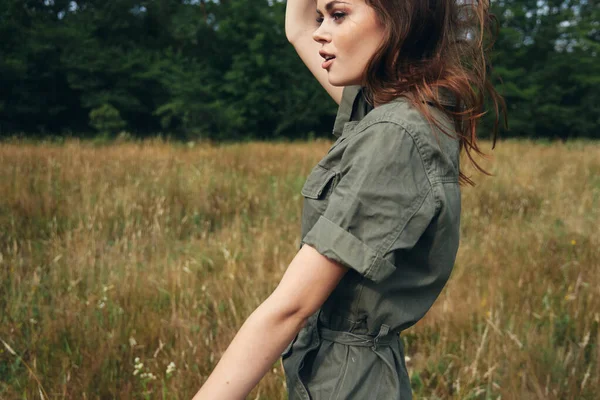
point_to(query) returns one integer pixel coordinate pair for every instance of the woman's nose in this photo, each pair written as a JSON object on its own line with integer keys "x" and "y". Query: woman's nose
{"x": 321, "y": 35}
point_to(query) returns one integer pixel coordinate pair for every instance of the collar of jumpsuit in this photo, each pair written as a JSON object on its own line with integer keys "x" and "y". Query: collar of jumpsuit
{"x": 355, "y": 107}
{"x": 385, "y": 202}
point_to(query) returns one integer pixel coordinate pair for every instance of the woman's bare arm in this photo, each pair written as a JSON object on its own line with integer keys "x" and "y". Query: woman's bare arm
{"x": 300, "y": 16}
{"x": 308, "y": 281}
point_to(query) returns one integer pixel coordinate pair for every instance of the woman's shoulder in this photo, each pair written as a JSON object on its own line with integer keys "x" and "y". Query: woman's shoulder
{"x": 400, "y": 111}
{"x": 438, "y": 146}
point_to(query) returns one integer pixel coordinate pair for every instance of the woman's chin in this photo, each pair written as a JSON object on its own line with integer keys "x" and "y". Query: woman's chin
{"x": 341, "y": 81}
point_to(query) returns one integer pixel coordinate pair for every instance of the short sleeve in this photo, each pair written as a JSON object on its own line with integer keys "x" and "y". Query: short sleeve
{"x": 382, "y": 203}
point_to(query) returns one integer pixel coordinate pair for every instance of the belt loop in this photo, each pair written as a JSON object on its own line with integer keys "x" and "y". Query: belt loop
{"x": 383, "y": 331}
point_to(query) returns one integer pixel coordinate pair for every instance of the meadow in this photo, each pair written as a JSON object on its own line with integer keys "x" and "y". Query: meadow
{"x": 126, "y": 269}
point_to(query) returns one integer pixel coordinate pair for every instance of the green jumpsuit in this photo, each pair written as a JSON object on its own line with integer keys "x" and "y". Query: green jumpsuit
{"x": 385, "y": 202}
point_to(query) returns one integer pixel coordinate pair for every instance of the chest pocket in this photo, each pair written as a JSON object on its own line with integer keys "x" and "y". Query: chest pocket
{"x": 319, "y": 183}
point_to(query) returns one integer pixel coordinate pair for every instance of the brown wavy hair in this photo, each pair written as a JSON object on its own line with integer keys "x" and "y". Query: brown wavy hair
{"x": 437, "y": 46}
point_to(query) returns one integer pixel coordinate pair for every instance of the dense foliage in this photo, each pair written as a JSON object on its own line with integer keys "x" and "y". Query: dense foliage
{"x": 224, "y": 69}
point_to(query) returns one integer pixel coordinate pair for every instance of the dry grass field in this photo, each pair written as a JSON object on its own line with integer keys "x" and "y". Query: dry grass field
{"x": 116, "y": 261}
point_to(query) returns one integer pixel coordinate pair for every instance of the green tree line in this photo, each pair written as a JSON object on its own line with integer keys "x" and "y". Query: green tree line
{"x": 224, "y": 70}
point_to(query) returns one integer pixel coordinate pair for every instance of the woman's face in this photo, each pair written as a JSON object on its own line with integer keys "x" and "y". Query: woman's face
{"x": 349, "y": 31}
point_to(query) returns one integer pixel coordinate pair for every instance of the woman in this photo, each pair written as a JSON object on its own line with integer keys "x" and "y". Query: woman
{"x": 380, "y": 223}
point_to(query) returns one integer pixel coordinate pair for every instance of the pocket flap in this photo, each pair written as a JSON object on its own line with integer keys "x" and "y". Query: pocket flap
{"x": 316, "y": 182}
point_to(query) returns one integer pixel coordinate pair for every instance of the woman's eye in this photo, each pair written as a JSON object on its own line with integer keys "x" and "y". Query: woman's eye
{"x": 336, "y": 17}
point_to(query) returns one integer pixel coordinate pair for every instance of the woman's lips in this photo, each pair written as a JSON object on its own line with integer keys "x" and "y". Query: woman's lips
{"x": 327, "y": 63}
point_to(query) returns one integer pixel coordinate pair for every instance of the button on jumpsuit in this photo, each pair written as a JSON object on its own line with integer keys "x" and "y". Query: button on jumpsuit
{"x": 384, "y": 202}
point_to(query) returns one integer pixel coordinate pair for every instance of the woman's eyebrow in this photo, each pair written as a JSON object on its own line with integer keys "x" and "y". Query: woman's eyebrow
{"x": 330, "y": 5}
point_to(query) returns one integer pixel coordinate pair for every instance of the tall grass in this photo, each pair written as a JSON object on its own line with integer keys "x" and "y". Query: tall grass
{"x": 117, "y": 261}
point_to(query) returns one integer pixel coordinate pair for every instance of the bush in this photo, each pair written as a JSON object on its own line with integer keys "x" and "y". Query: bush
{"x": 107, "y": 120}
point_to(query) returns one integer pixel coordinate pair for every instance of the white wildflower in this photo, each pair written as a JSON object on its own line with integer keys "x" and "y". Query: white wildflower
{"x": 148, "y": 375}
{"x": 170, "y": 368}
{"x": 137, "y": 367}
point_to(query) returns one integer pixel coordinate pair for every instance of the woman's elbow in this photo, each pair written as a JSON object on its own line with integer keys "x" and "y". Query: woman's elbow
{"x": 297, "y": 314}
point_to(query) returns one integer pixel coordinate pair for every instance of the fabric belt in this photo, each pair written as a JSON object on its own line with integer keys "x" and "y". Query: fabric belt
{"x": 315, "y": 333}
{"x": 384, "y": 338}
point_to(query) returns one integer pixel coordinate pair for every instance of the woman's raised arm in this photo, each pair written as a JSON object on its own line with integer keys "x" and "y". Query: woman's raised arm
{"x": 300, "y": 23}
